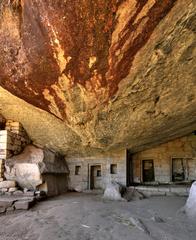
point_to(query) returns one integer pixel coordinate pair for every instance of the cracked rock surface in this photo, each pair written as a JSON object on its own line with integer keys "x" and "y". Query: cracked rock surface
{"x": 86, "y": 77}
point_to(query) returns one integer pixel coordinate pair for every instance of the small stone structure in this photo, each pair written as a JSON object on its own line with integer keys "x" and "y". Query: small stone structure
{"x": 96, "y": 172}
{"x": 38, "y": 169}
{"x": 170, "y": 164}
{"x": 27, "y": 166}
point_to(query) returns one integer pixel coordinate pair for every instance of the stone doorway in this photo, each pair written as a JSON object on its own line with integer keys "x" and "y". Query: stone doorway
{"x": 129, "y": 163}
{"x": 95, "y": 177}
{"x": 148, "y": 170}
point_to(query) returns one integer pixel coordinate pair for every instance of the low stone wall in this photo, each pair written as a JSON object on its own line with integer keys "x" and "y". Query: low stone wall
{"x": 172, "y": 190}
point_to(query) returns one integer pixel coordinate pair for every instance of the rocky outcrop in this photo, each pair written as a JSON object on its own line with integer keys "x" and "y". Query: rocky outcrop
{"x": 29, "y": 168}
{"x": 191, "y": 202}
{"x": 108, "y": 74}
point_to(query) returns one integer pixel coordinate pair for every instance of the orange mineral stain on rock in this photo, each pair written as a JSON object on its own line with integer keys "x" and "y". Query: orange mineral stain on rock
{"x": 87, "y": 43}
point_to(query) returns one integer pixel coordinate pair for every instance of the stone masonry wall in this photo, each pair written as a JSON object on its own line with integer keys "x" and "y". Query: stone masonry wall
{"x": 162, "y": 156}
{"x": 12, "y": 140}
{"x": 81, "y": 181}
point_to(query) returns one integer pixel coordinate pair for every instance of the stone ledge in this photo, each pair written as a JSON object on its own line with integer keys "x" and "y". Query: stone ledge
{"x": 164, "y": 190}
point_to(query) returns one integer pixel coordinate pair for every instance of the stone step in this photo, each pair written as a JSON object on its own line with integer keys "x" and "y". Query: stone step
{"x": 9, "y": 204}
{"x": 7, "y": 184}
{"x": 5, "y": 203}
{"x": 24, "y": 204}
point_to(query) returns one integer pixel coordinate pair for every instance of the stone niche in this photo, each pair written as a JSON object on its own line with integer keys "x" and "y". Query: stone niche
{"x": 38, "y": 169}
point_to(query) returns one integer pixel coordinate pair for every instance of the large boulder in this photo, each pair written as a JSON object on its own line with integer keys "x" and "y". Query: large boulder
{"x": 113, "y": 192}
{"x": 29, "y": 168}
{"x": 190, "y": 207}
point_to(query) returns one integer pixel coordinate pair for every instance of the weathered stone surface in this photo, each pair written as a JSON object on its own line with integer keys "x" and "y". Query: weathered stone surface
{"x": 23, "y": 205}
{"x": 29, "y": 194}
{"x": 2, "y": 209}
{"x": 3, "y": 190}
{"x": 27, "y": 168}
{"x": 132, "y": 194}
{"x": 109, "y": 74}
{"x": 113, "y": 192}
{"x": 18, "y": 193}
{"x": 190, "y": 206}
{"x": 10, "y": 209}
{"x": 6, "y": 202}
{"x": 7, "y": 184}
{"x": 13, "y": 189}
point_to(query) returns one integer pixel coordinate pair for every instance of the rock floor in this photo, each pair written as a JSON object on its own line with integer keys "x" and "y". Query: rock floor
{"x": 84, "y": 216}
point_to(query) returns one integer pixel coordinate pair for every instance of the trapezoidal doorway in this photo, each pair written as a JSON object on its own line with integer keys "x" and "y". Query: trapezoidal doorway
{"x": 148, "y": 170}
{"x": 95, "y": 177}
{"x": 129, "y": 163}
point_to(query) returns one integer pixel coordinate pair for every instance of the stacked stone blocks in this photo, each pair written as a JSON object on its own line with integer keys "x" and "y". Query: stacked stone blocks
{"x": 12, "y": 140}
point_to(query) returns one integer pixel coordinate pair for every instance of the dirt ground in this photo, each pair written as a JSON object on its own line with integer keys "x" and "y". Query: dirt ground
{"x": 84, "y": 216}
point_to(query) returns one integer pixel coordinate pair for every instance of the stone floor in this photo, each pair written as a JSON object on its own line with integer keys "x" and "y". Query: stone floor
{"x": 86, "y": 216}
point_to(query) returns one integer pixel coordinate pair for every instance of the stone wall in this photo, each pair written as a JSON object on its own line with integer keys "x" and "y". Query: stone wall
{"x": 12, "y": 139}
{"x": 182, "y": 148}
{"x": 54, "y": 184}
{"x": 12, "y": 143}
{"x": 80, "y": 170}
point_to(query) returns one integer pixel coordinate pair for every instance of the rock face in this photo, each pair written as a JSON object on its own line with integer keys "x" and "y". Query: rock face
{"x": 108, "y": 74}
{"x": 190, "y": 206}
{"x": 29, "y": 168}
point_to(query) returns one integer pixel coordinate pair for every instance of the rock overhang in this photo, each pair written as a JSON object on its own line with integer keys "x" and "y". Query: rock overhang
{"x": 116, "y": 74}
